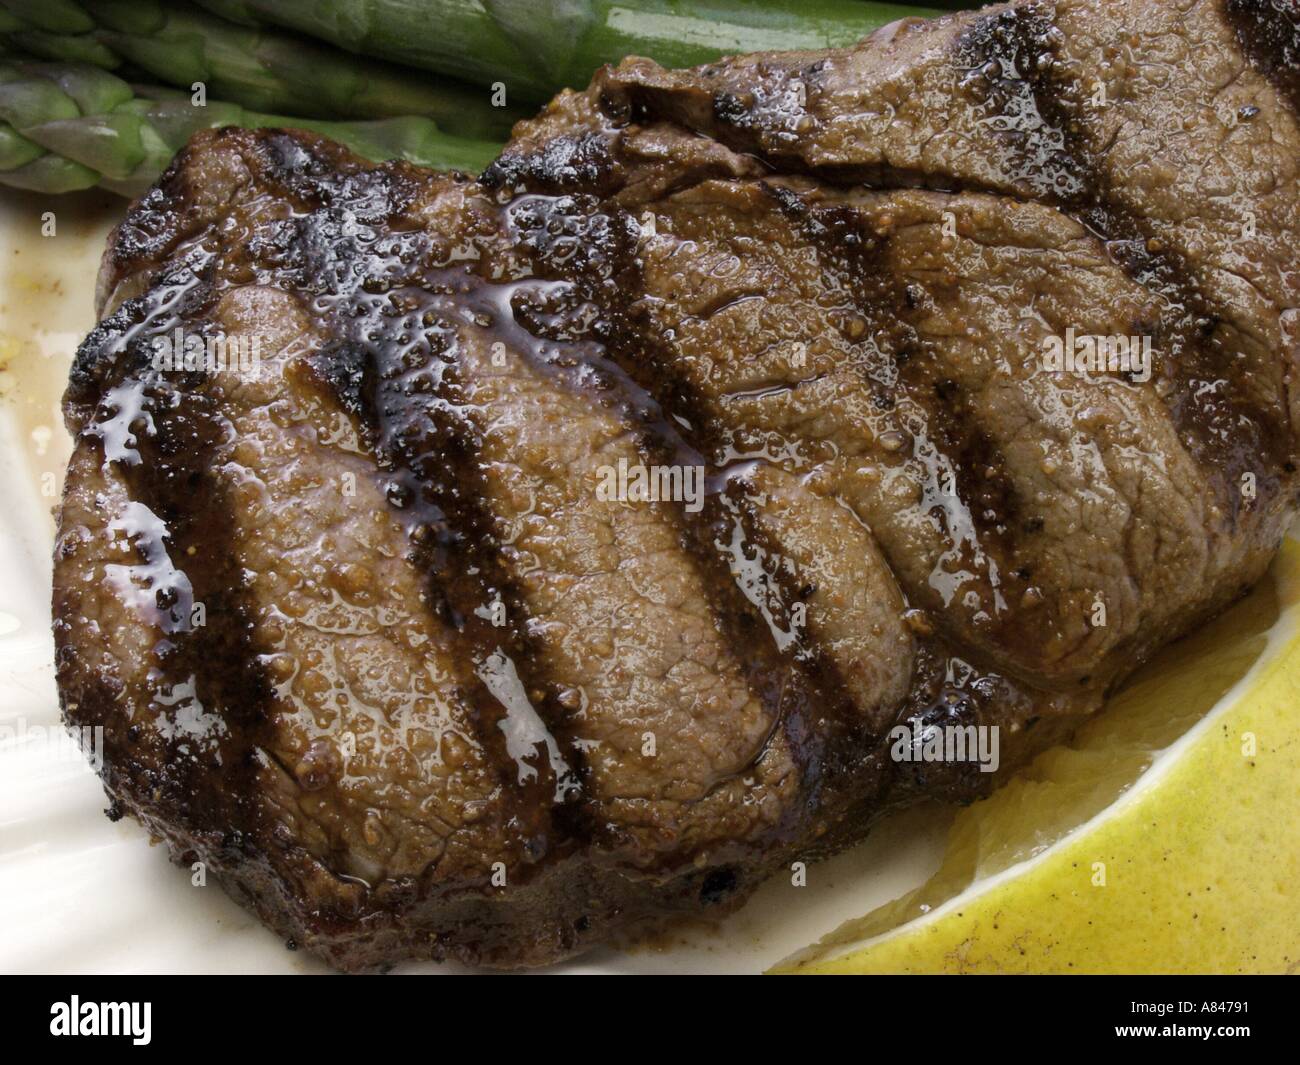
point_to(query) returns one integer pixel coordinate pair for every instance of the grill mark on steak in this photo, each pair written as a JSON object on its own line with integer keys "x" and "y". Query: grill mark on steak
{"x": 463, "y": 558}
{"x": 407, "y": 407}
{"x": 978, "y": 509}
{"x": 158, "y": 432}
{"x": 392, "y": 365}
{"x": 1007, "y": 63}
{"x": 1010, "y": 59}
{"x": 354, "y": 372}
{"x": 1269, "y": 34}
{"x": 570, "y": 239}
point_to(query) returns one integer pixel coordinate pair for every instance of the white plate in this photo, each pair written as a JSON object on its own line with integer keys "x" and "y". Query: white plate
{"x": 81, "y": 894}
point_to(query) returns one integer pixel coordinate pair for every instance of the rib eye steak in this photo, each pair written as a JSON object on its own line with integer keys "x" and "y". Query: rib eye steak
{"x": 369, "y": 632}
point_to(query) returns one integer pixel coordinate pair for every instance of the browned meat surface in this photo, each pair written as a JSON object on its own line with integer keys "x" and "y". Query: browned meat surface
{"x": 366, "y": 636}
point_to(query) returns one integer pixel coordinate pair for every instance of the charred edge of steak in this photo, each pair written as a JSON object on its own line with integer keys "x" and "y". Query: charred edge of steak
{"x": 168, "y": 472}
{"x": 151, "y": 229}
{"x": 1010, "y": 62}
{"x": 103, "y": 357}
{"x": 1269, "y": 34}
{"x": 564, "y": 164}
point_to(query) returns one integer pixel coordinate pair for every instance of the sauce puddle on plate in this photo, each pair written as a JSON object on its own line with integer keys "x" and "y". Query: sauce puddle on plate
{"x": 47, "y": 304}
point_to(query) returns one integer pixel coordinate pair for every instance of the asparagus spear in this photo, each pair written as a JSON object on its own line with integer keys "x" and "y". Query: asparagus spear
{"x": 265, "y": 69}
{"x": 536, "y": 49}
{"x": 65, "y": 127}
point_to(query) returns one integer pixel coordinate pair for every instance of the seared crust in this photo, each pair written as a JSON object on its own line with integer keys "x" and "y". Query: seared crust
{"x": 365, "y": 638}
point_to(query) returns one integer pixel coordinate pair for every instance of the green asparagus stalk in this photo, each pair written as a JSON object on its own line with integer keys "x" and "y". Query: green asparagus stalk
{"x": 535, "y": 49}
{"x": 263, "y": 69}
{"x": 57, "y": 16}
{"x": 65, "y": 127}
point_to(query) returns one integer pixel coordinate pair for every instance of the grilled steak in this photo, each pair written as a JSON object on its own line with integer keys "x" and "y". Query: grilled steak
{"x": 391, "y": 623}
